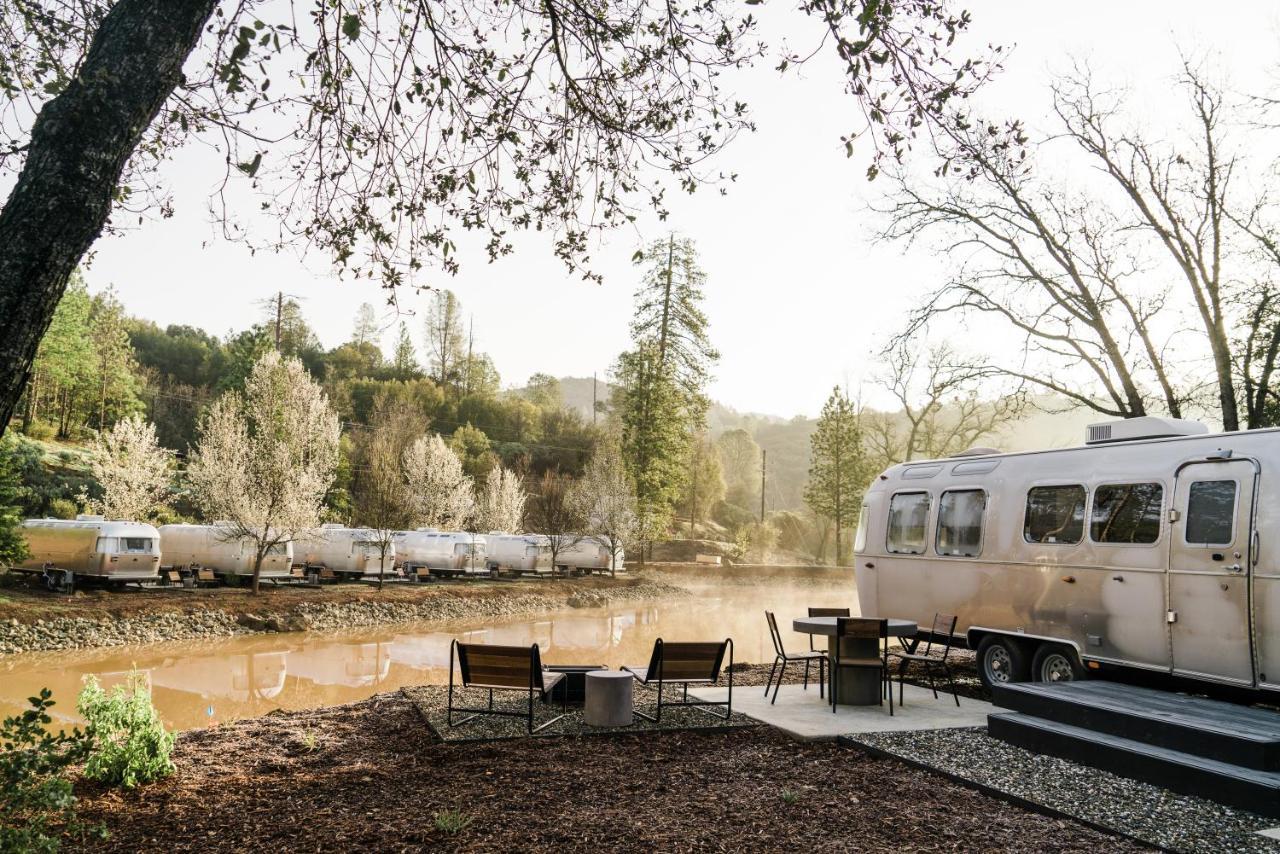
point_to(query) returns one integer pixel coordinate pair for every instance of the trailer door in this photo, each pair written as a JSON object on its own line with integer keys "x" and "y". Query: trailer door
{"x": 1209, "y": 571}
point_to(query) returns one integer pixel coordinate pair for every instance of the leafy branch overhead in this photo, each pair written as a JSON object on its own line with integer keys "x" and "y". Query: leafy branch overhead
{"x": 375, "y": 131}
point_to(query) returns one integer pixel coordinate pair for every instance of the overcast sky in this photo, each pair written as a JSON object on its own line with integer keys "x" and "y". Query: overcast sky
{"x": 797, "y": 294}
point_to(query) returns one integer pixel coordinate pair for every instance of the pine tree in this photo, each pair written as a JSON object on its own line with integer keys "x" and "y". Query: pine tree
{"x": 445, "y": 340}
{"x": 365, "y": 330}
{"x": 404, "y": 363}
{"x": 661, "y": 396}
{"x": 116, "y": 384}
{"x": 837, "y": 466}
{"x": 13, "y": 547}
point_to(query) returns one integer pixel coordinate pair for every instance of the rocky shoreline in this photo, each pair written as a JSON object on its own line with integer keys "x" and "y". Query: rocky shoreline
{"x": 106, "y": 630}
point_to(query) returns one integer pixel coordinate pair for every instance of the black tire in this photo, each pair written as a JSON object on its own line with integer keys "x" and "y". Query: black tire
{"x": 1057, "y": 663}
{"x": 1002, "y": 660}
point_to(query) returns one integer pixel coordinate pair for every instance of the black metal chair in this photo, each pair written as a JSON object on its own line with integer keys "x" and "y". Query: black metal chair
{"x": 688, "y": 663}
{"x": 943, "y": 633}
{"x": 784, "y": 659}
{"x": 503, "y": 668}
{"x": 825, "y": 612}
{"x": 861, "y": 628}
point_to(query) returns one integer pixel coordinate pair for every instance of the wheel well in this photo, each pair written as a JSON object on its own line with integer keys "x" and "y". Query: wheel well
{"x": 1028, "y": 643}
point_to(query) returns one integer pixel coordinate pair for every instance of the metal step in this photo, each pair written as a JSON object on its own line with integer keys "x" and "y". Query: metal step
{"x": 1247, "y": 788}
{"x": 1226, "y": 732}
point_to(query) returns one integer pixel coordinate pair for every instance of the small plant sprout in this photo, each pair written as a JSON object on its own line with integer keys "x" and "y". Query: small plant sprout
{"x": 309, "y": 740}
{"x": 452, "y": 821}
{"x": 789, "y": 797}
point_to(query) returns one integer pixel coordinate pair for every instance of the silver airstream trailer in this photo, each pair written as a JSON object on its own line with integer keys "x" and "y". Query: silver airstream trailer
{"x": 588, "y": 555}
{"x": 91, "y": 546}
{"x": 443, "y": 553}
{"x": 518, "y": 554}
{"x": 1155, "y": 545}
{"x": 346, "y": 551}
{"x": 216, "y": 548}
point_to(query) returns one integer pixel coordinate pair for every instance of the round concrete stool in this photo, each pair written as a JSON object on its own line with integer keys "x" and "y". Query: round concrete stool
{"x": 608, "y": 701}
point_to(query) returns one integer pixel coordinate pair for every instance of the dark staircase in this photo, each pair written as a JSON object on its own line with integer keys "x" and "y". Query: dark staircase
{"x": 1219, "y": 751}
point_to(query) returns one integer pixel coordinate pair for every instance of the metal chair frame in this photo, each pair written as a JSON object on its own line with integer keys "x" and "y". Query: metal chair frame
{"x": 656, "y": 663}
{"x": 944, "y": 625}
{"x": 825, "y": 612}
{"x": 536, "y": 684}
{"x": 784, "y": 659}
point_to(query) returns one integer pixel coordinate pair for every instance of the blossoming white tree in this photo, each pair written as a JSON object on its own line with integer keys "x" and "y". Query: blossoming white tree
{"x": 500, "y": 502}
{"x": 132, "y": 469}
{"x": 606, "y": 499}
{"x": 438, "y": 487}
{"x": 267, "y": 456}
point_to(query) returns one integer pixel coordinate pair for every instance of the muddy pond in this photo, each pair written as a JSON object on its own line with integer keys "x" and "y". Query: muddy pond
{"x": 202, "y": 683}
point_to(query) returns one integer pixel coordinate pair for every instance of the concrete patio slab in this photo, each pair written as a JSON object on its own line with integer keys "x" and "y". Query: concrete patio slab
{"x": 802, "y": 715}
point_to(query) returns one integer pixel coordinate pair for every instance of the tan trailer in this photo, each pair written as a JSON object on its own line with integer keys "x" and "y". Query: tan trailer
{"x": 215, "y": 547}
{"x": 91, "y": 546}
{"x": 1155, "y": 546}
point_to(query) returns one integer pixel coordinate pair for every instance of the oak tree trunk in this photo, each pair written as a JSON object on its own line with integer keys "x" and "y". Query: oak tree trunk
{"x": 80, "y": 143}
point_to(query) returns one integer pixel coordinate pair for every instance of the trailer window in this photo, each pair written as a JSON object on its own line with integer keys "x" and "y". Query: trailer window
{"x": 860, "y": 538}
{"x": 106, "y": 545}
{"x": 960, "y": 522}
{"x": 908, "y": 515}
{"x": 137, "y": 544}
{"x": 1055, "y": 514}
{"x": 1211, "y": 512}
{"x": 1126, "y": 513}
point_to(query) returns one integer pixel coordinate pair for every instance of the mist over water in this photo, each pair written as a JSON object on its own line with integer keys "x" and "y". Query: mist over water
{"x": 205, "y": 682}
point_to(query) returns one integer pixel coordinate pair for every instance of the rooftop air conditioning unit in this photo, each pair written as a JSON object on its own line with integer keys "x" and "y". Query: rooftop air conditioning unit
{"x": 1146, "y": 427}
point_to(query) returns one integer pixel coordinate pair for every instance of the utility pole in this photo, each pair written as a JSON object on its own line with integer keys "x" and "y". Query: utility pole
{"x": 764, "y": 465}
{"x": 471, "y": 340}
{"x": 279, "y": 314}
{"x": 693, "y": 485}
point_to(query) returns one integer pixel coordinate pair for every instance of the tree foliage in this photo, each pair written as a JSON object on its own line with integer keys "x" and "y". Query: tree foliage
{"x": 500, "y": 502}
{"x": 131, "y": 745}
{"x": 132, "y": 470}
{"x": 440, "y": 491}
{"x": 267, "y": 456}
{"x": 13, "y": 547}
{"x": 380, "y": 497}
{"x": 606, "y": 501}
{"x": 838, "y": 471}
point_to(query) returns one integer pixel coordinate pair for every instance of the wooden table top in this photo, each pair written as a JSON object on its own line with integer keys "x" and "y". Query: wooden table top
{"x": 827, "y": 626}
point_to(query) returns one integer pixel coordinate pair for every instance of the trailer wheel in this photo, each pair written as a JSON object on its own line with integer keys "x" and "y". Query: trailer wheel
{"x": 1001, "y": 660}
{"x": 1057, "y": 663}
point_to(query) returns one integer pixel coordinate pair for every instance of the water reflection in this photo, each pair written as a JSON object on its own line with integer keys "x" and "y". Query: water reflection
{"x": 201, "y": 683}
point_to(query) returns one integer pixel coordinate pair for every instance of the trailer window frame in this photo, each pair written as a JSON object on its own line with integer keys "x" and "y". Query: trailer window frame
{"x": 1084, "y": 513}
{"x": 1192, "y": 505}
{"x": 1160, "y": 513}
{"x": 928, "y": 515}
{"x": 982, "y": 522}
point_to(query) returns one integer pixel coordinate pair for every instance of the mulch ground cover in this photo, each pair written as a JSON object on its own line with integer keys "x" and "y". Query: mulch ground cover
{"x": 370, "y": 776}
{"x": 431, "y": 703}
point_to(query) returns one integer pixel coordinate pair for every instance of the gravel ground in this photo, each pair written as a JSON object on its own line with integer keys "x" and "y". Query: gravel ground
{"x": 369, "y": 777}
{"x": 432, "y": 700}
{"x": 1155, "y": 815}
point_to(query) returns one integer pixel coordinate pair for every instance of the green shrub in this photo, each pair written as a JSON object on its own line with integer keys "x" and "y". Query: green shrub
{"x": 63, "y": 508}
{"x": 36, "y": 802}
{"x": 131, "y": 744}
{"x": 452, "y": 821}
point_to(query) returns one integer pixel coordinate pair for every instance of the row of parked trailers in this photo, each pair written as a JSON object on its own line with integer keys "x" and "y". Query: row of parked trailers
{"x": 118, "y": 551}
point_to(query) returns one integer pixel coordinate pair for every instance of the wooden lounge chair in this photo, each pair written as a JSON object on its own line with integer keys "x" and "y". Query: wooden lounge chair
{"x": 327, "y": 574}
{"x": 784, "y": 659}
{"x": 173, "y": 578}
{"x": 422, "y": 574}
{"x": 825, "y": 612}
{"x": 944, "y": 626}
{"x": 503, "y": 668}
{"x": 687, "y": 663}
{"x": 206, "y": 578}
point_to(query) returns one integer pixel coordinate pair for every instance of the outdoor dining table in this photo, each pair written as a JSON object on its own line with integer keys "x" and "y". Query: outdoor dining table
{"x": 858, "y": 687}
